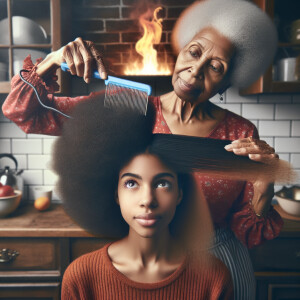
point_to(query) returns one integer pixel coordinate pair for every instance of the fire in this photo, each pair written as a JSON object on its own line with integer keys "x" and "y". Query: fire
{"x": 144, "y": 47}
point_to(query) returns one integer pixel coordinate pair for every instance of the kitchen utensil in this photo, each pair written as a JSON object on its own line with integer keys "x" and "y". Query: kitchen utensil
{"x": 24, "y": 31}
{"x": 42, "y": 192}
{"x": 11, "y": 177}
{"x": 289, "y": 200}
{"x": 286, "y": 69}
{"x": 123, "y": 93}
{"x": 10, "y": 203}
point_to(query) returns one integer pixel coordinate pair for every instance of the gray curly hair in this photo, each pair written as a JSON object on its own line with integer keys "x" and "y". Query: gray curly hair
{"x": 243, "y": 23}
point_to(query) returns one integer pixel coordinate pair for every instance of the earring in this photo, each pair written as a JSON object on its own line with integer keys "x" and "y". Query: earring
{"x": 221, "y": 98}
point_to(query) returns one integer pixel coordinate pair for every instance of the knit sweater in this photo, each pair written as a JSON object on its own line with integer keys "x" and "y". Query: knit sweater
{"x": 93, "y": 276}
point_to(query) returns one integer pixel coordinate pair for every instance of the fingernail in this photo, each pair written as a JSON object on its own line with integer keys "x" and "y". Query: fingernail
{"x": 235, "y": 141}
{"x": 228, "y": 147}
{"x": 253, "y": 155}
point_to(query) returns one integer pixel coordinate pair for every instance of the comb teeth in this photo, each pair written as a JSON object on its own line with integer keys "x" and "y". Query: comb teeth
{"x": 120, "y": 97}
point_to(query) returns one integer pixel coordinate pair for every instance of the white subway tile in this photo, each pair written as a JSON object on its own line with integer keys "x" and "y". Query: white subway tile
{"x": 39, "y": 136}
{"x": 295, "y": 160}
{"x": 33, "y": 177}
{"x": 38, "y": 161}
{"x": 50, "y": 178}
{"x": 26, "y": 146}
{"x": 11, "y": 130}
{"x": 236, "y": 108}
{"x": 287, "y": 144}
{"x": 298, "y": 177}
{"x": 233, "y": 96}
{"x": 287, "y": 112}
{"x": 284, "y": 156}
{"x": 216, "y": 99}
{"x": 47, "y": 145}
{"x": 258, "y": 111}
{"x": 7, "y": 161}
{"x": 5, "y": 146}
{"x": 295, "y": 128}
{"x": 275, "y": 98}
{"x": 3, "y": 118}
{"x": 274, "y": 128}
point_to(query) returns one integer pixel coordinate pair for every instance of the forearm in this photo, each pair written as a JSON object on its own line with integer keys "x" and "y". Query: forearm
{"x": 262, "y": 197}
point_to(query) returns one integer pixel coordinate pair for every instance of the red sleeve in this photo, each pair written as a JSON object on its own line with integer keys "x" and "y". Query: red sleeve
{"x": 249, "y": 228}
{"x": 22, "y": 107}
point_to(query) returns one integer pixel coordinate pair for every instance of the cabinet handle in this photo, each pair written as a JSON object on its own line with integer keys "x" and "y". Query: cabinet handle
{"x": 7, "y": 255}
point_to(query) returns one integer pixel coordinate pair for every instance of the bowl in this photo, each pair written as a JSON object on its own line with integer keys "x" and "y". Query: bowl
{"x": 289, "y": 200}
{"x": 10, "y": 203}
{"x": 20, "y": 54}
{"x": 25, "y": 31}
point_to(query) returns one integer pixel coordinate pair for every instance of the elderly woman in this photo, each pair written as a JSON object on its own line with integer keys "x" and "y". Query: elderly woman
{"x": 219, "y": 46}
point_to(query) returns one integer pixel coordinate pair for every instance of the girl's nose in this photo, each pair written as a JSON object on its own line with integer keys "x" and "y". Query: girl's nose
{"x": 148, "y": 198}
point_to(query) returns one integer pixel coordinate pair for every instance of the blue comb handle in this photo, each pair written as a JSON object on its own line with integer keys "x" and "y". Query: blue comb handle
{"x": 118, "y": 81}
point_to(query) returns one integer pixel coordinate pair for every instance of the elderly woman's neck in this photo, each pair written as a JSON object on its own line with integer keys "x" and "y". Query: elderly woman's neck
{"x": 187, "y": 111}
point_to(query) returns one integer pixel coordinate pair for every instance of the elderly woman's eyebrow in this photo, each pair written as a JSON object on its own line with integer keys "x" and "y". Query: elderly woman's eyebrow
{"x": 215, "y": 57}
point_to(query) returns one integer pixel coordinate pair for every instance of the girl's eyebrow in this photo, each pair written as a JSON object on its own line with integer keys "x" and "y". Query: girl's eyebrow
{"x": 160, "y": 175}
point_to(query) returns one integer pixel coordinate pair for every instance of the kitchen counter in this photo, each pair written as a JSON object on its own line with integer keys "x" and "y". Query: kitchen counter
{"x": 28, "y": 222}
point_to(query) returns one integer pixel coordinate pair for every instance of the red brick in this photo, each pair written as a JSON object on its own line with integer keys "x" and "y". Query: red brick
{"x": 88, "y": 25}
{"x": 174, "y": 12}
{"x": 176, "y": 2}
{"x": 168, "y": 24}
{"x": 95, "y": 12}
{"x": 131, "y": 37}
{"x": 102, "y": 2}
{"x": 122, "y": 26}
{"x": 103, "y": 38}
{"x": 118, "y": 48}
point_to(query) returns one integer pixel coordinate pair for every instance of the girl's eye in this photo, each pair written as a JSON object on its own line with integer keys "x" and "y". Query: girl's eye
{"x": 163, "y": 184}
{"x": 130, "y": 184}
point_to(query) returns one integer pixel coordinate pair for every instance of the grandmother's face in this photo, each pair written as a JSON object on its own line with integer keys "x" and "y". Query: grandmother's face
{"x": 202, "y": 66}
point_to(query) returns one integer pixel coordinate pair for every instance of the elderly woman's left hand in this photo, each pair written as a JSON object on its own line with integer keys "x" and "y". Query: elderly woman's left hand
{"x": 260, "y": 151}
{"x": 257, "y": 150}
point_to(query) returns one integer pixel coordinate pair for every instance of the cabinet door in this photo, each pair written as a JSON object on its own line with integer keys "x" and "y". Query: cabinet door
{"x": 32, "y": 291}
{"x": 27, "y": 27}
{"x": 283, "y": 13}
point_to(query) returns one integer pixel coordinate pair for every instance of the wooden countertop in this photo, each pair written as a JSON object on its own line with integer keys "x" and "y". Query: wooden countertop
{"x": 26, "y": 221}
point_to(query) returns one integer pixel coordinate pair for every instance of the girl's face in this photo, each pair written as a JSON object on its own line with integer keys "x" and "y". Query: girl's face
{"x": 148, "y": 194}
{"x": 202, "y": 65}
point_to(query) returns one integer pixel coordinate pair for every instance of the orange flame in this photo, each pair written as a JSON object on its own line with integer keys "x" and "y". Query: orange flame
{"x": 144, "y": 47}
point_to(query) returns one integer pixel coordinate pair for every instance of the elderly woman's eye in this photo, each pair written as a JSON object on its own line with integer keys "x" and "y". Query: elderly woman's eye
{"x": 216, "y": 68}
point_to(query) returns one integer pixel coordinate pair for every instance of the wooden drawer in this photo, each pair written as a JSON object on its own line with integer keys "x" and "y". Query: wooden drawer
{"x": 80, "y": 246}
{"x": 281, "y": 254}
{"x": 34, "y": 254}
{"x": 31, "y": 290}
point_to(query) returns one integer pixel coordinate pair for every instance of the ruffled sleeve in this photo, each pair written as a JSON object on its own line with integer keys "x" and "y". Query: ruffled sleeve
{"x": 247, "y": 226}
{"x": 22, "y": 107}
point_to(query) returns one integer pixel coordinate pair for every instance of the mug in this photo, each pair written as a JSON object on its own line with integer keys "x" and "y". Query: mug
{"x": 286, "y": 68}
{"x": 42, "y": 192}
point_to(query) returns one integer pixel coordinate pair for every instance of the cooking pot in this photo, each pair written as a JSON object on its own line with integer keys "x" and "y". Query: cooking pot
{"x": 11, "y": 177}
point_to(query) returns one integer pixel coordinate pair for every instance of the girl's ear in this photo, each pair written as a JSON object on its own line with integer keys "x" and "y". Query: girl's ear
{"x": 116, "y": 197}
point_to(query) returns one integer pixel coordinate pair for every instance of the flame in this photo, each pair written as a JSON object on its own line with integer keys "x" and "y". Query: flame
{"x": 144, "y": 47}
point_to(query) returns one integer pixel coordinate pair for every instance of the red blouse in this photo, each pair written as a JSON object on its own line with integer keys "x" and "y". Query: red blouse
{"x": 229, "y": 201}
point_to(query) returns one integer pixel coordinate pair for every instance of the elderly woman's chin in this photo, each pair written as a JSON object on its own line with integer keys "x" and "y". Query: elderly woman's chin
{"x": 187, "y": 94}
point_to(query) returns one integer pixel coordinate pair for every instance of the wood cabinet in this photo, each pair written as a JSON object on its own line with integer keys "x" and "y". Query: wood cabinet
{"x": 29, "y": 27}
{"x": 46, "y": 242}
{"x": 283, "y": 13}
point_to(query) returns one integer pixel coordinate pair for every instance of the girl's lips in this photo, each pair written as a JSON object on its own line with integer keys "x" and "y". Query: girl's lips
{"x": 147, "y": 220}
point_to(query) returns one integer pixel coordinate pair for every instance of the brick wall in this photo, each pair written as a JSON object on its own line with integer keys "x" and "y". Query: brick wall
{"x": 111, "y": 25}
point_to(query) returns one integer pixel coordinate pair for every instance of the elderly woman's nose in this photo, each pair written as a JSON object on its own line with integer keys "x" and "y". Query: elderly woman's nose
{"x": 197, "y": 69}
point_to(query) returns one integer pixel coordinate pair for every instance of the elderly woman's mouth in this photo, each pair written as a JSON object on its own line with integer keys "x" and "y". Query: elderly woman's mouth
{"x": 186, "y": 87}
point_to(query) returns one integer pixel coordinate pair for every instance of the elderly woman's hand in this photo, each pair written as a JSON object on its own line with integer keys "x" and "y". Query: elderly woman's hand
{"x": 255, "y": 149}
{"x": 81, "y": 56}
{"x": 260, "y": 151}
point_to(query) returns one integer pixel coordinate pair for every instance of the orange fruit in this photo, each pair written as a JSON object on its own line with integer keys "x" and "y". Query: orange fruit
{"x": 42, "y": 203}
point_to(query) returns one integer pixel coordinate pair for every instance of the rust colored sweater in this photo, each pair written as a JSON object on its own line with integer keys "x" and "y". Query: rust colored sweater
{"x": 93, "y": 276}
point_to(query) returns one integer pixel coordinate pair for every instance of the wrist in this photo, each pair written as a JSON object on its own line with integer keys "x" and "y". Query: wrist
{"x": 49, "y": 65}
{"x": 262, "y": 198}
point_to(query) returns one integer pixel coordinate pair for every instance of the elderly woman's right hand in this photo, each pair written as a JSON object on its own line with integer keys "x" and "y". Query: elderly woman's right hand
{"x": 81, "y": 56}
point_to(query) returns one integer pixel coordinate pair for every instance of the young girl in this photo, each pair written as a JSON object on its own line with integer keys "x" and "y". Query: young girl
{"x": 114, "y": 183}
